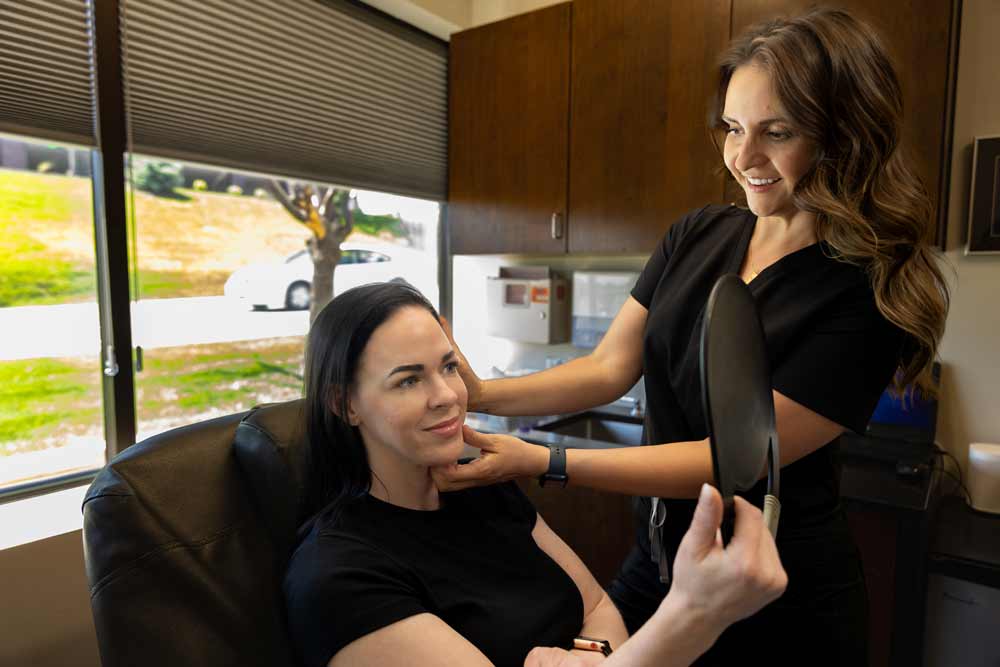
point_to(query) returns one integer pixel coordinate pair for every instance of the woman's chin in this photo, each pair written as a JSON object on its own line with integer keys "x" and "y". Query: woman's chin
{"x": 447, "y": 452}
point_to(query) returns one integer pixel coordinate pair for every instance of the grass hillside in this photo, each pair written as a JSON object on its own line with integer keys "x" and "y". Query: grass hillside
{"x": 183, "y": 247}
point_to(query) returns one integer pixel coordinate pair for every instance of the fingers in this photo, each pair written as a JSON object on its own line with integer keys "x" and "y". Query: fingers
{"x": 701, "y": 535}
{"x": 474, "y": 437}
{"x": 446, "y": 325}
{"x": 456, "y": 477}
{"x": 752, "y": 536}
{"x": 749, "y": 528}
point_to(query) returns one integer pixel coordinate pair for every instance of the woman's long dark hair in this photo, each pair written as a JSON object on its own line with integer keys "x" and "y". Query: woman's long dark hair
{"x": 337, "y": 461}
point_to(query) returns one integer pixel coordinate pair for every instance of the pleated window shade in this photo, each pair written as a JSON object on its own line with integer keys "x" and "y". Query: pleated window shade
{"x": 46, "y": 70}
{"x": 322, "y": 90}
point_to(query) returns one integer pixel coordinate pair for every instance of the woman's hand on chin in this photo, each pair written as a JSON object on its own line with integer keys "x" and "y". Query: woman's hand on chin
{"x": 547, "y": 656}
{"x": 501, "y": 459}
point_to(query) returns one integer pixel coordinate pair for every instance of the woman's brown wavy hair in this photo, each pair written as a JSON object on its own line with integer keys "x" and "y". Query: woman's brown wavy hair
{"x": 835, "y": 80}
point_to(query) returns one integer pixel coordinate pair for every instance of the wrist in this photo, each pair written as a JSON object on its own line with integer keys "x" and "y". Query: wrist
{"x": 690, "y": 620}
{"x": 477, "y": 396}
{"x": 537, "y": 460}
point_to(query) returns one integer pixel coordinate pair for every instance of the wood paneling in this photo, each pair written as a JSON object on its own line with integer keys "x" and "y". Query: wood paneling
{"x": 918, "y": 36}
{"x": 509, "y": 115}
{"x": 598, "y": 526}
{"x": 640, "y": 153}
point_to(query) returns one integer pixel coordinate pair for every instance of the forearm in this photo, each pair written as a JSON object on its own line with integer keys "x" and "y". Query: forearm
{"x": 674, "y": 470}
{"x": 576, "y": 385}
{"x": 604, "y": 622}
{"x": 674, "y": 637}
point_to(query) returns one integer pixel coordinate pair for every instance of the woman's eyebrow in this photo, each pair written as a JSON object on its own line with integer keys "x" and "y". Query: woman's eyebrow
{"x": 417, "y": 368}
{"x": 766, "y": 121}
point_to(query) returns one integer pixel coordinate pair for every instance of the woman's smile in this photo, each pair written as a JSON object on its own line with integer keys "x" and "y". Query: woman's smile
{"x": 446, "y": 429}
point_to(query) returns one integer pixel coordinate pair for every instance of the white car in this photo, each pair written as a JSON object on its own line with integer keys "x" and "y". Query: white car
{"x": 287, "y": 284}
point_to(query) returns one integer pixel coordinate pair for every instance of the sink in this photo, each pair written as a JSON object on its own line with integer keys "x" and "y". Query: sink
{"x": 598, "y": 426}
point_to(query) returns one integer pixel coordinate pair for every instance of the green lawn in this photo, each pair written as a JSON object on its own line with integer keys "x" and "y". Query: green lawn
{"x": 30, "y": 273}
{"x": 44, "y": 400}
{"x": 185, "y": 247}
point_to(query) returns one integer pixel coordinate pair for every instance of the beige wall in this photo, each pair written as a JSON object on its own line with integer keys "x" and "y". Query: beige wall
{"x": 487, "y": 11}
{"x": 970, "y": 407}
{"x": 45, "y": 616}
{"x": 443, "y": 17}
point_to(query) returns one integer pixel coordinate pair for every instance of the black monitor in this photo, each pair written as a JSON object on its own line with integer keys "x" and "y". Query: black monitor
{"x": 910, "y": 417}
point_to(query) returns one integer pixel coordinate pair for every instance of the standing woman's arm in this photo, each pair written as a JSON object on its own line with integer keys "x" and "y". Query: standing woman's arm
{"x": 674, "y": 470}
{"x": 595, "y": 379}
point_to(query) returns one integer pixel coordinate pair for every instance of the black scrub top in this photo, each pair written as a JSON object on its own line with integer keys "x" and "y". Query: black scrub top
{"x": 829, "y": 349}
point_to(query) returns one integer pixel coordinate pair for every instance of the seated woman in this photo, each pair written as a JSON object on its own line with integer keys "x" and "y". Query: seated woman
{"x": 393, "y": 572}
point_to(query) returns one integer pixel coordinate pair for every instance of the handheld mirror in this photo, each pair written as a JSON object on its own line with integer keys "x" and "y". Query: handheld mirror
{"x": 737, "y": 400}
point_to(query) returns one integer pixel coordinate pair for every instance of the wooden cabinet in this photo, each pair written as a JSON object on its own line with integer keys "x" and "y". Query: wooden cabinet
{"x": 508, "y": 134}
{"x": 640, "y": 153}
{"x": 596, "y": 111}
{"x": 627, "y": 156}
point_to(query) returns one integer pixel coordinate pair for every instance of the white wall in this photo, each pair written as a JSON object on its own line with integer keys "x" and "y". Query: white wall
{"x": 970, "y": 401}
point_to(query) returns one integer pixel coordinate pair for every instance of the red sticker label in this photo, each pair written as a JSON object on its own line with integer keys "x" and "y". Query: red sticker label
{"x": 539, "y": 294}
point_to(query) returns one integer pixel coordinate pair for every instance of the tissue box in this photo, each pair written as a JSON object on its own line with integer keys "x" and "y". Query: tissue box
{"x": 984, "y": 477}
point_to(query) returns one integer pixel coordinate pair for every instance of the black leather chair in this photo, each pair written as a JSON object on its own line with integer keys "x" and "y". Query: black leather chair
{"x": 186, "y": 536}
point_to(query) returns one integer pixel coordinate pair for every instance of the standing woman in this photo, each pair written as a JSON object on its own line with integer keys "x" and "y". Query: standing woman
{"x": 836, "y": 248}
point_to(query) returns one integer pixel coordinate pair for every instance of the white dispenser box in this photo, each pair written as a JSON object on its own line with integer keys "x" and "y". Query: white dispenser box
{"x": 984, "y": 477}
{"x": 597, "y": 298}
{"x": 528, "y": 304}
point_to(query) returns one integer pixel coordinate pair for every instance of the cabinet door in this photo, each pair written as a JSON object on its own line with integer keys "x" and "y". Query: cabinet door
{"x": 919, "y": 39}
{"x": 640, "y": 152}
{"x": 508, "y": 125}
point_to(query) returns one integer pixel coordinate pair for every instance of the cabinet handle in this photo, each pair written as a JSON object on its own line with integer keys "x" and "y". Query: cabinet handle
{"x": 557, "y": 225}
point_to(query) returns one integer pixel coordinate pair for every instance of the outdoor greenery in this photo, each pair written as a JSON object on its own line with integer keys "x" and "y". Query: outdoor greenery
{"x": 46, "y": 399}
{"x": 38, "y": 395}
{"x": 31, "y": 204}
{"x": 158, "y": 178}
{"x": 185, "y": 244}
{"x": 47, "y": 240}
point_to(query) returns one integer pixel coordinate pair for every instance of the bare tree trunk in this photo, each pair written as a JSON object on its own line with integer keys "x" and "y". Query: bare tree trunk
{"x": 325, "y": 255}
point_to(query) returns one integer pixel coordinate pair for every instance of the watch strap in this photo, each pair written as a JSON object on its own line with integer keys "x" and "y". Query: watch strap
{"x": 557, "y": 467}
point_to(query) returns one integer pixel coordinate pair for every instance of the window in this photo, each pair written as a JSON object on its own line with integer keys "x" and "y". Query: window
{"x": 51, "y": 418}
{"x": 222, "y": 282}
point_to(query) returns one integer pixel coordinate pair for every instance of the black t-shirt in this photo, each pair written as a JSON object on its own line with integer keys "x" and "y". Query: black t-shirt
{"x": 473, "y": 563}
{"x": 829, "y": 349}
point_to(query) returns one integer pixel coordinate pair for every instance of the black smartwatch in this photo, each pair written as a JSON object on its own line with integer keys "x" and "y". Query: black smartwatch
{"x": 557, "y": 467}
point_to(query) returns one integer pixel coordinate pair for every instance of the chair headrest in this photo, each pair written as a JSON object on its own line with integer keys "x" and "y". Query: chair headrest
{"x": 270, "y": 447}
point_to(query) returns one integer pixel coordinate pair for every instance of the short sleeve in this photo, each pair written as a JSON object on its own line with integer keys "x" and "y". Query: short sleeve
{"x": 645, "y": 286}
{"x": 338, "y": 589}
{"x": 842, "y": 367}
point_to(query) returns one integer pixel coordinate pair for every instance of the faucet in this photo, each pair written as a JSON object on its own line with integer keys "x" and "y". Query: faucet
{"x": 636, "y": 410}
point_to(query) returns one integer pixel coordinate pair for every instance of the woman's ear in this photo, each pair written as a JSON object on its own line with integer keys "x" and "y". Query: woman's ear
{"x": 352, "y": 417}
